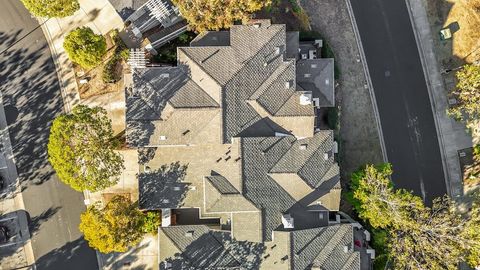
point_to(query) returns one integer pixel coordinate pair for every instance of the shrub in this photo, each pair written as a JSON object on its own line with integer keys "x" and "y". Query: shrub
{"x": 84, "y": 47}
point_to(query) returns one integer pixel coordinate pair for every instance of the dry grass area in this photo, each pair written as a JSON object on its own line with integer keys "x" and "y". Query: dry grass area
{"x": 463, "y": 17}
{"x": 95, "y": 85}
{"x": 287, "y": 12}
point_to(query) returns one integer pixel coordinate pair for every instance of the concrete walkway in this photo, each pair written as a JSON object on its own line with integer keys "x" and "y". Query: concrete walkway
{"x": 452, "y": 134}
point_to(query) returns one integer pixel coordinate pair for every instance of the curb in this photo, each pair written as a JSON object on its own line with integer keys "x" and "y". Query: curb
{"x": 428, "y": 80}
{"x": 369, "y": 80}
{"x": 48, "y": 37}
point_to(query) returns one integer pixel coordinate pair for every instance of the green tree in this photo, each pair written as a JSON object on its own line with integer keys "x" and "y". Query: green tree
{"x": 467, "y": 94}
{"x": 81, "y": 149}
{"x": 205, "y": 15}
{"x": 114, "y": 228}
{"x": 419, "y": 237}
{"x": 51, "y": 8}
{"x": 84, "y": 47}
{"x": 151, "y": 222}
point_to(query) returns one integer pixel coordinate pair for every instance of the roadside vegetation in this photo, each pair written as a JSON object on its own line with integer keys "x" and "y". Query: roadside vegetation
{"x": 117, "y": 226}
{"x": 51, "y": 8}
{"x": 81, "y": 149}
{"x": 414, "y": 236}
{"x": 203, "y": 15}
{"x": 467, "y": 94}
{"x": 84, "y": 47}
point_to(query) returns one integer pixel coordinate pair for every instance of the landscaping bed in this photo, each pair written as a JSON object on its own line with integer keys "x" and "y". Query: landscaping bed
{"x": 287, "y": 12}
{"x": 92, "y": 82}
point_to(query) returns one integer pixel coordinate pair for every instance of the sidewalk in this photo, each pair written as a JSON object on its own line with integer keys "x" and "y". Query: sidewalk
{"x": 452, "y": 135}
{"x": 101, "y": 16}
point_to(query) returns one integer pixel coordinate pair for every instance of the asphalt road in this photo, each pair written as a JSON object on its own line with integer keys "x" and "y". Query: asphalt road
{"x": 402, "y": 97}
{"x": 32, "y": 99}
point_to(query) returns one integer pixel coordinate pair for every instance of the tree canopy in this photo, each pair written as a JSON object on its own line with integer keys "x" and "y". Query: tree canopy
{"x": 81, "y": 149}
{"x": 419, "y": 237}
{"x": 205, "y": 15}
{"x": 467, "y": 93}
{"x": 51, "y": 8}
{"x": 114, "y": 228}
{"x": 84, "y": 47}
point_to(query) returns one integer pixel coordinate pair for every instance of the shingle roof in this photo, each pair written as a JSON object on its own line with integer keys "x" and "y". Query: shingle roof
{"x": 153, "y": 89}
{"x": 321, "y": 80}
{"x": 307, "y": 158}
{"x": 211, "y": 38}
{"x": 252, "y": 67}
{"x": 325, "y": 248}
{"x": 222, "y": 184}
{"x": 162, "y": 188}
{"x": 261, "y": 156}
{"x": 202, "y": 248}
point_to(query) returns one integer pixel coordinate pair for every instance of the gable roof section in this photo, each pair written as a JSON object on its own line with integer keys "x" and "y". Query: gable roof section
{"x": 202, "y": 248}
{"x": 307, "y": 158}
{"x": 320, "y": 81}
{"x": 324, "y": 248}
{"x": 153, "y": 89}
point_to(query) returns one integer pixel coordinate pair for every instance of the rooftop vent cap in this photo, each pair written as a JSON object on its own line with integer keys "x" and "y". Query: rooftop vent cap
{"x": 327, "y": 81}
{"x": 189, "y": 234}
{"x": 314, "y": 65}
{"x": 307, "y": 75}
{"x": 303, "y": 146}
{"x": 304, "y": 56}
{"x": 345, "y": 249}
{"x": 288, "y": 84}
{"x": 325, "y": 156}
{"x": 163, "y": 138}
{"x": 287, "y": 221}
{"x": 277, "y": 50}
{"x": 306, "y": 98}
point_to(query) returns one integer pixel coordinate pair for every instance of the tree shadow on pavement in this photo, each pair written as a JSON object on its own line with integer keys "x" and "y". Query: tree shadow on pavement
{"x": 70, "y": 256}
{"x": 33, "y": 99}
{"x": 36, "y": 222}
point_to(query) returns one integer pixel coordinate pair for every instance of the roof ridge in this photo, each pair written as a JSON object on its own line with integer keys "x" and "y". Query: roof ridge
{"x": 257, "y": 94}
{"x": 308, "y": 159}
{"x": 313, "y": 153}
{"x": 197, "y": 64}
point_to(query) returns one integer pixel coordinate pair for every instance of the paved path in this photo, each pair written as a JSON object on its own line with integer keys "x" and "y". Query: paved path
{"x": 402, "y": 96}
{"x": 32, "y": 99}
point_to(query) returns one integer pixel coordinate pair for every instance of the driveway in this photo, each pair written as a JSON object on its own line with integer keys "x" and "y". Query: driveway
{"x": 32, "y": 99}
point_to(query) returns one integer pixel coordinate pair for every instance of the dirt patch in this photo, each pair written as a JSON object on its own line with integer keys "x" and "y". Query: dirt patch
{"x": 463, "y": 19}
{"x": 90, "y": 82}
{"x": 287, "y": 12}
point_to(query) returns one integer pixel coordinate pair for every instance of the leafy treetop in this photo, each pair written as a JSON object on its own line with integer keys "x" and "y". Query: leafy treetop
{"x": 51, "y": 8}
{"x": 467, "y": 93}
{"x": 419, "y": 237}
{"x": 115, "y": 228}
{"x": 84, "y": 47}
{"x": 203, "y": 15}
{"x": 81, "y": 149}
